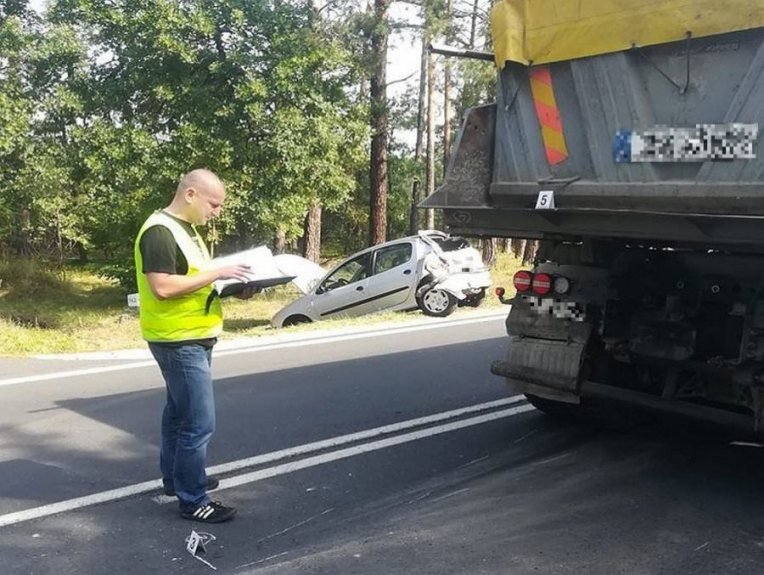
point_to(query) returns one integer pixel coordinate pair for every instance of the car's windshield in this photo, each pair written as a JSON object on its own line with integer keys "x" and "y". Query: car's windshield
{"x": 349, "y": 272}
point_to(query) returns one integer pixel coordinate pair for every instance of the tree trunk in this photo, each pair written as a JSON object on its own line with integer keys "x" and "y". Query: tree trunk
{"x": 489, "y": 251}
{"x": 59, "y": 242}
{"x": 473, "y": 23}
{"x": 446, "y": 115}
{"x": 82, "y": 253}
{"x": 518, "y": 248}
{"x": 21, "y": 242}
{"x": 430, "y": 172}
{"x": 414, "y": 214}
{"x": 279, "y": 242}
{"x": 447, "y": 96}
{"x": 529, "y": 253}
{"x": 379, "y": 119}
{"x": 415, "y": 191}
{"x": 312, "y": 236}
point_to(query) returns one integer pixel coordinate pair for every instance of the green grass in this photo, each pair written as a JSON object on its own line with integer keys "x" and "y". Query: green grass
{"x": 73, "y": 310}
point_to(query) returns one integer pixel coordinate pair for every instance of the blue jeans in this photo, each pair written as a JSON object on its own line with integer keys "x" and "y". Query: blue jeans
{"x": 188, "y": 420}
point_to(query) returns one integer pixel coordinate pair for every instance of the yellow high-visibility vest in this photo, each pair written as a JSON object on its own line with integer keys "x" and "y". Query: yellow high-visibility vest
{"x": 180, "y": 318}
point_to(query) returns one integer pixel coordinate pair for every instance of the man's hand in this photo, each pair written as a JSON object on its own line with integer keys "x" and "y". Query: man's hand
{"x": 237, "y": 272}
{"x": 166, "y": 286}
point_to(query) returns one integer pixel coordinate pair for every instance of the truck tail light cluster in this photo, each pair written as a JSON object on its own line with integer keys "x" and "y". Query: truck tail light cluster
{"x": 540, "y": 283}
{"x": 522, "y": 281}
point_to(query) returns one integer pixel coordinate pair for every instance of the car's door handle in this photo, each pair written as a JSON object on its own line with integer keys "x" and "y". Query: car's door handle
{"x": 407, "y": 272}
{"x": 359, "y": 288}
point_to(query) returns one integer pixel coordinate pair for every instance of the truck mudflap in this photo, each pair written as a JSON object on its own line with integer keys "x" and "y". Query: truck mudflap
{"x": 543, "y": 367}
{"x": 545, "y": 353}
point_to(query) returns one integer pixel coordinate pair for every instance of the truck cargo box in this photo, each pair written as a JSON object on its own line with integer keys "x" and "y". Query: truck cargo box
{"x": 655, "y": 142}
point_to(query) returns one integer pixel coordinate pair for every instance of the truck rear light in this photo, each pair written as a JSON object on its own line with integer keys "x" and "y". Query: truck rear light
{"x": 561, "y": 285}
{"x": 522, "y": 281}
{"x": 542, "y": 284}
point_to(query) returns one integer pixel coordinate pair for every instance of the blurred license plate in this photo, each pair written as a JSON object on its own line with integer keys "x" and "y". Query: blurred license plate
{"x": 701, "y": 143}
{"x": 557, "y": 308}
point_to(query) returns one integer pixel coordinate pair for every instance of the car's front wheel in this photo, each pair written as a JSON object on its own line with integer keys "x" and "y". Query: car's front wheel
{"x": 437, "y": 303}
{"x": 295, "y": 320}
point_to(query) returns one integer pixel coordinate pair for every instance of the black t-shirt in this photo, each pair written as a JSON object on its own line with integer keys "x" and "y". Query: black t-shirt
{"x": 161, "y": 253}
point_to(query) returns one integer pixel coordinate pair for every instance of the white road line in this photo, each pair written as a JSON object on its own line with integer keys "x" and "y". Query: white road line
{"x": 358, "y": 436}
{"x": 73, "y": 373}
{"x": 251, "y": 348}
{"x": 367, "y": 447}
{"x": 147, "y": 486}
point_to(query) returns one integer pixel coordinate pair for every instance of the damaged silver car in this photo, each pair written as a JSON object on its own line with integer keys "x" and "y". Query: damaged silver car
{"x": 433, "y": 271}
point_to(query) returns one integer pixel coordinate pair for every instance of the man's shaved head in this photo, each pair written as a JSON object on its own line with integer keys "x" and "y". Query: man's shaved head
{"x": 198, "y": 179}
{"x": 199, "y": 197}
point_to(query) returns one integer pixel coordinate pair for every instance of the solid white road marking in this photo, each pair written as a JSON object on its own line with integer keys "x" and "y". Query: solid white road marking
{"x": 248, "y": 348}
{"x": 367, "y": 447}
{"x": 74, "y": 373}
{"x": 147, "y": 486}
{"x": 358, "y": 436}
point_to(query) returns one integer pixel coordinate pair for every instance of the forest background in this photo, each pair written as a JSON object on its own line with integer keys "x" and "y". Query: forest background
{"x": 104, "y": 104}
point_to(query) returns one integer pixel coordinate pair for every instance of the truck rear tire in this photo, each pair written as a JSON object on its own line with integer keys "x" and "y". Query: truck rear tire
{"x": 556, "y": 409}
{"x": 606, "y": 415}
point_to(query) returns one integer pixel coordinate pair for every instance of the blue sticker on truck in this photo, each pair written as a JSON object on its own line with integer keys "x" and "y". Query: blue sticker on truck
{"x": 715, "y": 142}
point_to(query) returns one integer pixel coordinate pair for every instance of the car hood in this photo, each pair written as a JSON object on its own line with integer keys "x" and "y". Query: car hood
{"x": 306, "y": 273}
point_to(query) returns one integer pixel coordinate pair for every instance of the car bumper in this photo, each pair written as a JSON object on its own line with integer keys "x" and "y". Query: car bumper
{"x": 464, "y": 284}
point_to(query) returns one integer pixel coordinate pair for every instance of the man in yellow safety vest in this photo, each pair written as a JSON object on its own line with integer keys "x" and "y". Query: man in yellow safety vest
{"x": 181, "y": 328}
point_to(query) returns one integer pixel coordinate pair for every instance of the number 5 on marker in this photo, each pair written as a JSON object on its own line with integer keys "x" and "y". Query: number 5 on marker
{"x": 545, "y": 200}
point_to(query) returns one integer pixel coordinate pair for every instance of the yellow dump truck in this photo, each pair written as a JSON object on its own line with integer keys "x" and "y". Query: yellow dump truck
{"x": 625, "y": 139}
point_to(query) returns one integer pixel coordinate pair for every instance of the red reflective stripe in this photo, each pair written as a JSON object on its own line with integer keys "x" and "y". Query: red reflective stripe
{"x": 548, "y": 114}
{"x": 542, "y": 74}
{"x": 554, "y": 157}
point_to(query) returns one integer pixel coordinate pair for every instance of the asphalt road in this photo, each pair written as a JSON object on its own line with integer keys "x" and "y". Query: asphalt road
{"x": 384, "y": 452}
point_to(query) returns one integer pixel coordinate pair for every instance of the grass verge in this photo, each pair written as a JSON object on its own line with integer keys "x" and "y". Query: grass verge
{"x": 73, "y": 310}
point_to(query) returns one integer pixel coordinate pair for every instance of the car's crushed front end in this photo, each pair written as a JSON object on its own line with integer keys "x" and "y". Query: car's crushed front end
{"x": 455, "y": 275}
{"x": 455, "y": 266}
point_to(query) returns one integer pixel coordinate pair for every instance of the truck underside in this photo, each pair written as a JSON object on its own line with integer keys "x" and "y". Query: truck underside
{"x": 676, "y": 330}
